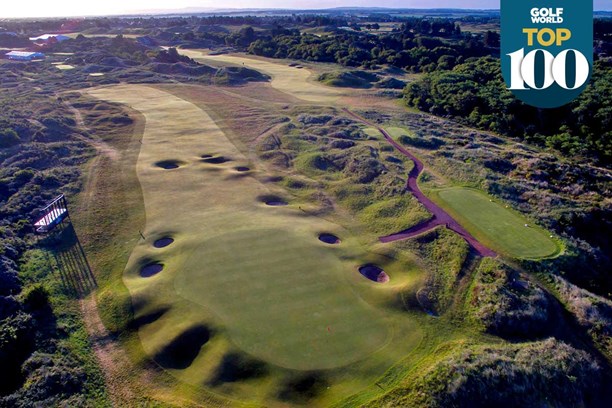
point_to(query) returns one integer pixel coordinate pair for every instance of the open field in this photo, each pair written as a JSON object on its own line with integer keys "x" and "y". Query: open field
{"x": 299, "y": 82}
{"x": 503, "y": 229}
{"x": 242, "y": 278}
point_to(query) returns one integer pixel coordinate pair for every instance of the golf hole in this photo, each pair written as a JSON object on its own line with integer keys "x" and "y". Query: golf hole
{"x": 151, "y": 269}
{"x": 163, "y": 242}
{"x": 169, "y": 164}
{"x": 329, "y": 239}
{"x": 215, "y": 160}
{"x": 374, "y": 273}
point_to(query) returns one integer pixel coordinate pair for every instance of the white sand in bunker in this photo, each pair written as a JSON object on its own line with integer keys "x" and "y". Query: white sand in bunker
{"x": 232, "y": 255}
{"x": 300, "y": 83}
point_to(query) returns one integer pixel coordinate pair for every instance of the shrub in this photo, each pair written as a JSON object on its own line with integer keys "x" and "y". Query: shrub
{"x": 36, "y": 297}
{"x": 8, "y": 138}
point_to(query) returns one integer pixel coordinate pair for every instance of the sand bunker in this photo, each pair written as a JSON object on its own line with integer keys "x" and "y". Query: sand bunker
{"x": 272, "y": 200}
{"x": 169, "y": 164}
{"x": 151, "y": 269}
{"x": 238, "y": 367}
{"x": 181, "y": 352}
{"x": 329, "y": 239}
{"x": 148, "y": 318}
{"x": 163, "y": 242}
{"x": 374, "y": 273}
{"x": 303, "y": 387}
{"x": 242, "y": 168}
{"x": 215, "y": 160}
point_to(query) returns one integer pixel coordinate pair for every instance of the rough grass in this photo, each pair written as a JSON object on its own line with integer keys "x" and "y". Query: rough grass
{"x": 505, "y": 303}
{"x": 393, "y": 214}
{"x": 549, "y": 373}
{"x": 445, "y": 254}
{"x": 504, "y": 230}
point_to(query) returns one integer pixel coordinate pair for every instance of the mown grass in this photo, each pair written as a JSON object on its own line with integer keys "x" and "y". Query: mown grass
{"x": 254, "y": 276}
{"x": 504, "y": 230}
{"x": 108, "y": 216}
{"x": 299, "y": 83}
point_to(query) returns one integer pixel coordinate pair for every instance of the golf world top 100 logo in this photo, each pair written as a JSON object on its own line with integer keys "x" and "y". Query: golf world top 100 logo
{"x": 546, "y": 49}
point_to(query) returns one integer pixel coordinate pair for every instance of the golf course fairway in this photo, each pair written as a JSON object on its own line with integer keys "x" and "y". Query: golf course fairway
{"x": 240, "y": 273}
{"x": 298, "y": 82}
{"x": 502, "y": 229}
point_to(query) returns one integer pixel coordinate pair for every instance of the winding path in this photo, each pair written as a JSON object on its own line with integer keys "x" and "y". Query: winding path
{"x": 440, "y": 217}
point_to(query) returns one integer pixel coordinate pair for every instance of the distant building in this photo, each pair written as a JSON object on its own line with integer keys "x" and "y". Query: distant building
{"x": 24, "y": 55}
{"x": 49, "y": 38}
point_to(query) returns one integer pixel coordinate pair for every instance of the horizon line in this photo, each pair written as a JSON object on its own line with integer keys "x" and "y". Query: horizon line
{"x": 210, "y": 10}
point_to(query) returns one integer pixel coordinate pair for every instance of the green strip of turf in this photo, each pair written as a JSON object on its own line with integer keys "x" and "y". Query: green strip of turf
{"x": 497, "y": 226}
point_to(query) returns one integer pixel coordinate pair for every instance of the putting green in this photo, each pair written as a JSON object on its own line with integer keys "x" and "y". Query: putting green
{"x": 299, "y": 83}
{"x": 252, "y": 274}
{"x": 282, "y": 298}
{"x": 502, "y": 229}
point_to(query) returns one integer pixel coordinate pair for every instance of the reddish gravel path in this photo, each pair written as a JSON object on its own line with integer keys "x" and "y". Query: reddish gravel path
{"x": 440, "y": 217}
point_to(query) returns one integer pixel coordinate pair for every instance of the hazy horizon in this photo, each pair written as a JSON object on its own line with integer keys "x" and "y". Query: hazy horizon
{"x": 70, "y": 8}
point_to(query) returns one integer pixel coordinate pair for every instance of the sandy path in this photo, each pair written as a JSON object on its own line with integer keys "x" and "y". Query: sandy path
{"x": 440, "y": 217}
{"x": 114, "y": 362}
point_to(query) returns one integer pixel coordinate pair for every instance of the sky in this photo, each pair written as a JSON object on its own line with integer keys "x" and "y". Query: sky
{"x": 55, "y": 8}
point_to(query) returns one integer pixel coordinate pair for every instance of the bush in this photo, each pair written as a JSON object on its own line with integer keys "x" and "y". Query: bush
{"x": 21, "y": 177}
{"x": 16, "y": 343}
{"x": 8, "y": 138}
{"x": 36, "y": 297}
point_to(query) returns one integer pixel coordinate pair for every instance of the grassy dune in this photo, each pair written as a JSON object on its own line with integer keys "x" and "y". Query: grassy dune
{"x": 245, "y": 283}
{"x": 299, "y": 82}
{"x": 502, "y": 229}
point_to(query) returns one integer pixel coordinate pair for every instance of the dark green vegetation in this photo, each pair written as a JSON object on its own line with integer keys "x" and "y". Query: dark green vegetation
{"x": 44, "y": 351}
{"x": 474, "y": 93}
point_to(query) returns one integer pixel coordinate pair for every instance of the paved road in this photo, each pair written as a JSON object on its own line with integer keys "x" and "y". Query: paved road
{"x": 440, "y": 217}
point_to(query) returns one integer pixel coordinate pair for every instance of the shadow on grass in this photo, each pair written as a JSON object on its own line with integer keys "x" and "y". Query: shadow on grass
{"x": 75, "y": 272}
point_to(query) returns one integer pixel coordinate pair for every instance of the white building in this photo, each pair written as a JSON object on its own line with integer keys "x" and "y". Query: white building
{"x": 24, "y": 55}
